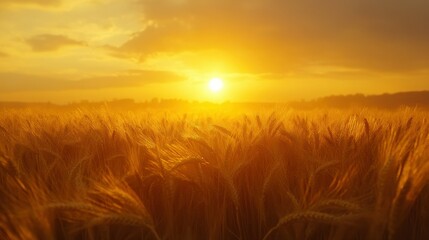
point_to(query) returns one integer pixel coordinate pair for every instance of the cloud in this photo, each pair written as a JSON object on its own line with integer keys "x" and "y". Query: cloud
{"x": 277, "y": 35}
{"x": 48, "y": 3}
{"x": 50, "y": 42}
{"x": 17, "y": 82}
{"x": 3, "y": 54}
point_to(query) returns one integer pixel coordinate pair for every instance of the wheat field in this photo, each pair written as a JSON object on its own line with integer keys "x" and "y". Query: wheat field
{"x": 269, "y": 174}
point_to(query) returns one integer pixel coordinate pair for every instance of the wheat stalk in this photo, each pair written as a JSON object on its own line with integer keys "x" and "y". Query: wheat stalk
{"x": 303, "y": 216}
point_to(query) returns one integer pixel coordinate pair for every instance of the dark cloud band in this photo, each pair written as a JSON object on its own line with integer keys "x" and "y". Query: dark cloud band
{"x": 50, "y": 42}
{"x": 277, "y": 35}
{"x": 17, "y": 82}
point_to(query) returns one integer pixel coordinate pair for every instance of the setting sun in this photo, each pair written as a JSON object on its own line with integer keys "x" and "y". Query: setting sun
{"x": 216, "y": 85}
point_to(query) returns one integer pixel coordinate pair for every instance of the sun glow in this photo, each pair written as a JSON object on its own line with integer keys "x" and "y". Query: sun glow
{"x": 216, "y": 85}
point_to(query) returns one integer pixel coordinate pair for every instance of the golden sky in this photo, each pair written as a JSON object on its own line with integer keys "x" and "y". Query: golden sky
{"x": 264, "y": 50}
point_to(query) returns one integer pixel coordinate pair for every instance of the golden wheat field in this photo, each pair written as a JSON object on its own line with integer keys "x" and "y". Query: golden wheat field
{"x": 280, "y": 174}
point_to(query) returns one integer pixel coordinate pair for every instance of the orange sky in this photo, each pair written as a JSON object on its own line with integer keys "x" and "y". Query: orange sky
{"x": 265, "y": 50}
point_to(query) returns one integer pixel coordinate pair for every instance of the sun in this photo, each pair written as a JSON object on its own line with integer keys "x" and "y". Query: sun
{"x": 216, "y": 85}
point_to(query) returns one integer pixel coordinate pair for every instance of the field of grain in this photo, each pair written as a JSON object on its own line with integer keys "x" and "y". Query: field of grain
{"x": 281, "y": 174}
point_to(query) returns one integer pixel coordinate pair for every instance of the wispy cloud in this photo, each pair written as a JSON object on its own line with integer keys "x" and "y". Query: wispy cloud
{"x": 3, "y": 54}
{"x": 18, "y": 82}
{"x": 51, "y": 42}
{"x": 46, "y": 3}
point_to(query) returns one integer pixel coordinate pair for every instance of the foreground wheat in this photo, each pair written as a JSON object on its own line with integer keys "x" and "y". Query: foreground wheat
{"x": 280, "y": 175}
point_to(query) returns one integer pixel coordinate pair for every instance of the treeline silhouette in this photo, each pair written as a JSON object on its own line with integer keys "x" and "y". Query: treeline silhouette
{"x": 385, "y": 101}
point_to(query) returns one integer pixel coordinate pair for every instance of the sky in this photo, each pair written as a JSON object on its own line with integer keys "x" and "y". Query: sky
{"x": 264, "y": 50}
